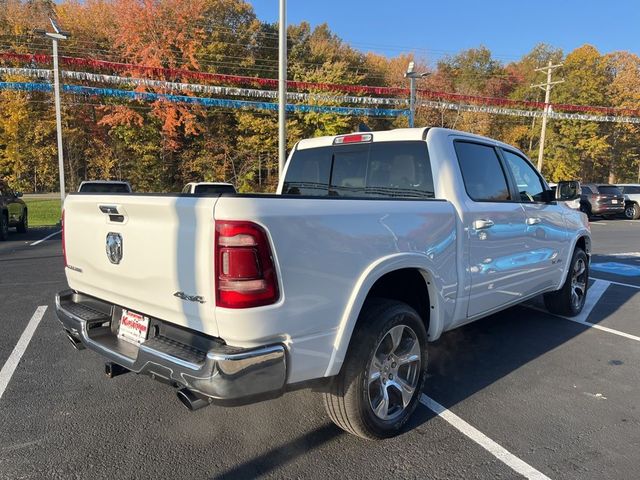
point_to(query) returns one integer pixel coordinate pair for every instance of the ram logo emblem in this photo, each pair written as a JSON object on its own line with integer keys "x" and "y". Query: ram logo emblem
{"x": 114, "y": 247}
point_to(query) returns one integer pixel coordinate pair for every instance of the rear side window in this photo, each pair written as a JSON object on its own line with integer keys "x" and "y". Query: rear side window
{"x": 631, "y": 190}
{"x": 482, "y": 173}
{"x": 609, "y": 190}
{"x": 385, "y": 169}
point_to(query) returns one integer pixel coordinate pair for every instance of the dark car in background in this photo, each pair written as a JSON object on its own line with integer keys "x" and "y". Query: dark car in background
{"x": 13, "y": 211}
{"x": 601, "y": 199}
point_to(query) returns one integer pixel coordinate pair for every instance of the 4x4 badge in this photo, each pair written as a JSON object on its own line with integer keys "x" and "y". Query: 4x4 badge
{"x": 190, "y": 298}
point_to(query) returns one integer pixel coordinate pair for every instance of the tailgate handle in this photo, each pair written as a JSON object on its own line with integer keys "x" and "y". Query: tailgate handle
{"x": 110, "y": 209}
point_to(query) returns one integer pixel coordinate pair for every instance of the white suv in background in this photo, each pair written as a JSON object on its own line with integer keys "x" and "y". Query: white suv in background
{"x": 631, "y": 193}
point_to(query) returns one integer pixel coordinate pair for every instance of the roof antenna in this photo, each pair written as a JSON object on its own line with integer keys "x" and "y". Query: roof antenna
{"x": 363, "y": 127}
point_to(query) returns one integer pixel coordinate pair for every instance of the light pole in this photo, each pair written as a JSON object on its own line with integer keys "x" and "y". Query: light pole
{"x": 412, "y": 75}
{"x": 58, "y": 35}
{"x": 282, "y": 88}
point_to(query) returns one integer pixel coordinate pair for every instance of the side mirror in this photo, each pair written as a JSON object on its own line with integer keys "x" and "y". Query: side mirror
{"x": 18, "y": 194}
{"x": 567, "y": 191}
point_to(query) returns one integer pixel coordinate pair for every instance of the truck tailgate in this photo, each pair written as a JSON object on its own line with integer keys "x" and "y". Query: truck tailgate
{"x": 167, "y": 249}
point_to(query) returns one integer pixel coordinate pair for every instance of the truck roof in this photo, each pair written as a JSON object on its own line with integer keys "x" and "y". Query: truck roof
{"x": 407, "y": 134}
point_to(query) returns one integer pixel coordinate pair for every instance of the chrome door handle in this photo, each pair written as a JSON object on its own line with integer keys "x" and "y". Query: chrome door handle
{"x": 533, "y": 221}
{"x": 482, "y": 224}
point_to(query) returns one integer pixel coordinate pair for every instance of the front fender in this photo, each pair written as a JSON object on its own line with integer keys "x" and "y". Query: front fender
{"x": 442, "y": 291}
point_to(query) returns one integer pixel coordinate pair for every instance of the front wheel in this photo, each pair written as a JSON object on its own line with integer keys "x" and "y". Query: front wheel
{"x": 23, "y": 226}
{"x": 569, "y": 300}
{"x": 381, "y": 381}
{"x": 4, "y": 226}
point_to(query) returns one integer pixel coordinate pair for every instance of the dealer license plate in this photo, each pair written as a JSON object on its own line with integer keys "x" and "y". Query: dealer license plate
{"x": 134, "y": 327}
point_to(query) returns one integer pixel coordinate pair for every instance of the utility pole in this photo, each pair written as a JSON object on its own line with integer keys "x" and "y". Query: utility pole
{"x": 412, "y": 75}
{"x": 282, "y": 88}
{"x": 57, "y": 35}
{"x": 547, "y": 89}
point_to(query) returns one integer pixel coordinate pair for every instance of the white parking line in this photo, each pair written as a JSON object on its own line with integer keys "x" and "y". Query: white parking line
{"x": 481, "y": 439}
{"x": 14, "y": 359}
{"x": 617, "y": 283}
{"x": 596, "y": 290}
{"x": 45, "y": 238}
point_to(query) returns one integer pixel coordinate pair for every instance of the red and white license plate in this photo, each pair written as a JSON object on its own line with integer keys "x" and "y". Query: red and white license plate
{"x": 134, "y": 327}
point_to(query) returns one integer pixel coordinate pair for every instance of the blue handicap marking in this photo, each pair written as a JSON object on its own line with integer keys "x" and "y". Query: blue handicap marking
{"x": 617, "y": 269}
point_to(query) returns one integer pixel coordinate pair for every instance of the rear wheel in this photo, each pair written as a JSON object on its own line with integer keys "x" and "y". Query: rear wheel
{"x": 4, "y": 226}
{"x": 381, "y": 381}
{"x": 586, "y": 209}
{"x": 569, "y": 300}
{"x": 23, "y": 226}
{"x": 632, "y": 211}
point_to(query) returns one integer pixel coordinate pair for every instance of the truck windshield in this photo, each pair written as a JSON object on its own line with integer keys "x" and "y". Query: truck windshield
{"x": 384, "y": 169}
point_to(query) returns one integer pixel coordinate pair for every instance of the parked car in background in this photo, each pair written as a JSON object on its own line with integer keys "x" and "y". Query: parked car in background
{"x": 208, "y": 188}
{"x": 631, "y": 192}
{"x": 105, "y": 186}
{"x": 573, "y": 204}
{"x": 601, "y": 199}
{"x": 375, "y": 244}
{"x": 13, "y": 211}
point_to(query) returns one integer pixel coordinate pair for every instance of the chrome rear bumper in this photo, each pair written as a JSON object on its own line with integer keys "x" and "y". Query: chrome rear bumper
{"x": 183, "y": 357}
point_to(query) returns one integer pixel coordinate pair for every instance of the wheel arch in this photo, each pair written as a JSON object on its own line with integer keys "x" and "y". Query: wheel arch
{"x": 583, "y": 241}
{"x": 373, "y": 281}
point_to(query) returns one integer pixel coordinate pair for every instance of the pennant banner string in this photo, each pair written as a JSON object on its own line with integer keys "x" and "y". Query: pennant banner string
{"x": 198, "y": 88}
{"x": 207, "y": 102}
{"x": 212, "y": 102}
{"x": 357, "y": 89}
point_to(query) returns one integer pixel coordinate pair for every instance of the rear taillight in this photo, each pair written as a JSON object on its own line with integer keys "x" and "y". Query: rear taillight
{"x": 64, "y": 247}
{"x": 245, "y": 271}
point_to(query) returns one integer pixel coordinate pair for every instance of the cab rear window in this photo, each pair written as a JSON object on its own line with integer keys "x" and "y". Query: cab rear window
{"x": 385, "y": 169}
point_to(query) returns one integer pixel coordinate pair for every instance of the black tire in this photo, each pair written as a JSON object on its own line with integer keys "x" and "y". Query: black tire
{"x": 23, "y": 226}
{"x": 586, "y": 209}
{"x": 348, "y": 400}
{"x": 632, "y": 211}
{"x": 563, "y": 301}
{"x": 4, "y": 226}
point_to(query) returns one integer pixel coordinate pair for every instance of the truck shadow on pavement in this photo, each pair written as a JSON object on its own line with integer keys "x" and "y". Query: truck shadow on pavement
{"x": 283, "y": 454}
{"x": 471, "y": 358}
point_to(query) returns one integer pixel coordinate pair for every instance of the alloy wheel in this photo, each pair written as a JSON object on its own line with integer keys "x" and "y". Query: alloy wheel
{"x": 394, "y": 372}
{"x": 578, "y": 283}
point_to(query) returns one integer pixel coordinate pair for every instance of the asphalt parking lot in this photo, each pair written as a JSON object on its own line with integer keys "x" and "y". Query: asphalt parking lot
{"x": 521, "y": 394}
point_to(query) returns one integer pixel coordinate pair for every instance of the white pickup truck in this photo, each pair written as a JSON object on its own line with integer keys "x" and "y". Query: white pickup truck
{"x": 375, "y": 244}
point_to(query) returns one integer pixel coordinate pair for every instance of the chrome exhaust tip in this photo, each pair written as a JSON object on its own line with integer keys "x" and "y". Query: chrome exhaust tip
{"x": 113, "y": 369}
{"x": 77, "y": 344}
{"x": 193, "y": 401}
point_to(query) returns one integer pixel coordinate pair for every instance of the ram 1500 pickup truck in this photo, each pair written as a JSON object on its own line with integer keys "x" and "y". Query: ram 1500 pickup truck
{"x": 374, "y": 245}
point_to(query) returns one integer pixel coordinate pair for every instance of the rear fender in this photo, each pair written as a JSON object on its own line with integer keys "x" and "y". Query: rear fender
{"x": 439, "y": 311}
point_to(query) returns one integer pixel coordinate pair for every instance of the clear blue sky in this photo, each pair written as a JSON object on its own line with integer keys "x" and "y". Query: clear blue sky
{"x": 435, "y": 28}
